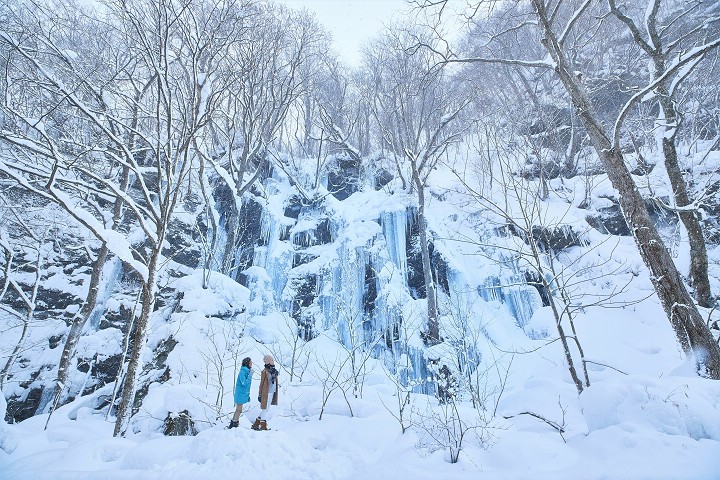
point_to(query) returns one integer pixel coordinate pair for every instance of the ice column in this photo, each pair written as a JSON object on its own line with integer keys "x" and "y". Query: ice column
{"x": 275, "y": 256}
{"x": 394, "y": 229}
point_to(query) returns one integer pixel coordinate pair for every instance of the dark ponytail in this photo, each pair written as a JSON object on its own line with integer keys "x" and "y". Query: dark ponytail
{"x": 246, "y": 362}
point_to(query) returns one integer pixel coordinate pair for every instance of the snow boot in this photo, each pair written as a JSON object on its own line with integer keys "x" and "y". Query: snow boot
{"x": 234, "y": 424}
{"x": 263, "y": 425}
{"x": 256, "y": 424}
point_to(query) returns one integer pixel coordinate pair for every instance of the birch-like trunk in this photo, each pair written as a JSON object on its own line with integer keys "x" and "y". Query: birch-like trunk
{"x": 699, "y": 279}
{"x": 690, "y": 329}
{"x": 148, "y": 304}
{"x": 78, "y": 323}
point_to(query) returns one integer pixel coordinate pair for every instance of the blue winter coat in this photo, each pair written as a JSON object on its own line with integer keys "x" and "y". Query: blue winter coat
{"x": 242, "y": 386}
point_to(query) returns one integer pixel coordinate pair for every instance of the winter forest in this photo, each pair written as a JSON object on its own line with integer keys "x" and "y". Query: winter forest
{"x": 487, "y": 251}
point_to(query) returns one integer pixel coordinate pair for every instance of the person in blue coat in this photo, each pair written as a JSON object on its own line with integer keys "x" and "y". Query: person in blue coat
{"x": 242, "y": 390}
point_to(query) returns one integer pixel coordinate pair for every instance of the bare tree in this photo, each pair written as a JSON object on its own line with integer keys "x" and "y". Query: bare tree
{"x": 681, "y": 28}
{"x": 692, "y": 333}
{"x": 337, "y": 111}
{"x": 168, "y": 65}
{"x": 450, "y": 426}
{"x": 402, "y": 410}
{"x": 269, "y": 75}
{"x": 468, "y": 344}
{"x": 292, "y": 350}
{"x": 357, "y": 341}
{"x": 523, "y": 217}
{"x": 27, "y": 294}
{"x": 417, "y": 108}
{"x": 332, "y": 375}
{"x": 400, "y": 336}
{"x": 558, "y": 24}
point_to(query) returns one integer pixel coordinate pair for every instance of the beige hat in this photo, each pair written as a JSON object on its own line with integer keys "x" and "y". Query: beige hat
{"x": 268, "y": 359}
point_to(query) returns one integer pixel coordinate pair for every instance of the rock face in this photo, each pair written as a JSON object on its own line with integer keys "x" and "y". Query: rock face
{"x": 22, "y": 407}
{"x": 550, "y": 239}
{"x": 609, "y": 220}
{"x": 103, "y": 370}
{"x": 183, "y": 244}
{"x": 342, "y": 180}
{"x": 312, "y": 229}
{"x": 313, "y": 259}
{"x": 555, "y": 239}
{"x": 249, "y": 237}
{"x": 382, "y": 177}
{"x": 416, "y": 276}
{"x": 179, "y": 425}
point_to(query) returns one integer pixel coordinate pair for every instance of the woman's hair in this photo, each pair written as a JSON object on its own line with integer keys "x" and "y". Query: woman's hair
{"x": 246, "y": 362}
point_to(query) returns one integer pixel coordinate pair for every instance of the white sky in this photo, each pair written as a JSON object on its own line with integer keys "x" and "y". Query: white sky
{"x": 352, "y": 22}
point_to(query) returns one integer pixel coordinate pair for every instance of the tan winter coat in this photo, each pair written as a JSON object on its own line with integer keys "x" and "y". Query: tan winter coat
{"x": 265, "y": 389}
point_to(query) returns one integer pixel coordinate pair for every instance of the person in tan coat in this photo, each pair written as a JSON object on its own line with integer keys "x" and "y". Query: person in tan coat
{"x": 268, "y": 392}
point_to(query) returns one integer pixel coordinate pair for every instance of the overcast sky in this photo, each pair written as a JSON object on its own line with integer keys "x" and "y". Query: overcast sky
{"x": 352, "y": 22}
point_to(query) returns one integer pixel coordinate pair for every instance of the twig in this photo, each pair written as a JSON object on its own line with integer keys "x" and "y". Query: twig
{"x": 554, "y": 425}
{"x": 608, "y": 366}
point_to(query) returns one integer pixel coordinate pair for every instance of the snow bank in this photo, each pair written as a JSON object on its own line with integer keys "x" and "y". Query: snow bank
{"x": 683, "y": 406}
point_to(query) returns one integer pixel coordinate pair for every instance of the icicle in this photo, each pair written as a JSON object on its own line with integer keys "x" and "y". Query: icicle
{"x": 112, "y": 272}
{"x": 394, "y": 229}
{"x": 275, "y": 256}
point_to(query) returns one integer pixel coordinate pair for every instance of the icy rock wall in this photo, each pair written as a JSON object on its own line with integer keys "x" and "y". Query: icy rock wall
{"x": 357, "y": 289}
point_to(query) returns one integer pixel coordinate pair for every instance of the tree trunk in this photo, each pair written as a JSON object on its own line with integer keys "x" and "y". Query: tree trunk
{"x": 692, "y": 333}
{"x": 80, "y": 318}
{"x": 433, "y": 332}
{"x": 558, "y": 319}
{"x": 570, "y": 166}
{"x": 78, "y": 322}
{"x": 231, "y": 227}
{"x": 690, "y": 219}
{"x": 699, "y": 279}
{"x": 210, "y": 243}
{"x": 148, "y": 304}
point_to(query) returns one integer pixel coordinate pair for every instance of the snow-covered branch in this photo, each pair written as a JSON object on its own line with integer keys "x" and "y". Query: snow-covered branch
{"x": 681, "y": 61}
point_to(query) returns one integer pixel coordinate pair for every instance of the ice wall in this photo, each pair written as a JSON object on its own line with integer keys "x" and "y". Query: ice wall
{"x": 357, "y": 288}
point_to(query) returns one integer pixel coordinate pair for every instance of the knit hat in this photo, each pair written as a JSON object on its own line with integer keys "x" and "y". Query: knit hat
{"x": 268, "y": 359}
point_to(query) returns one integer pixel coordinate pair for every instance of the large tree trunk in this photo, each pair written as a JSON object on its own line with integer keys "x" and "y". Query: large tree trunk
{"x": 653, "y": 47}
{"x": 81, "y": 318}
{"x": 433, "y": 331}
{"x": 148, "y": 304}
{"x": 692, "y": 333}
{"x": 78, "y": 322}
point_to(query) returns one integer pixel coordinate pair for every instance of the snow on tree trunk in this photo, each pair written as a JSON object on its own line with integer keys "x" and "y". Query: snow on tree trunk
{"x": 79, "y": 320}
{"x": 148, "y": 304}
{"x": 698, "y": 252}
{"x": 692, "y": 333}
{"x": 433, "y": 326}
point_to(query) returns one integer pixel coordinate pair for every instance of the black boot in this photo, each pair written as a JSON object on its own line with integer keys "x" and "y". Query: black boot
{"x": 234, "y": 424}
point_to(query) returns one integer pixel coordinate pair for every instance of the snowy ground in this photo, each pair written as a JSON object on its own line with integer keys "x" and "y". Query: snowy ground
{"x": 646, "y": 414}
{"x": 657, "y": 421}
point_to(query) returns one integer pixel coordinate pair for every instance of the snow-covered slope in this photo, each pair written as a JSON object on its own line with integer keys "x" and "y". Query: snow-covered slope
{"x": 332, "y": 295}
